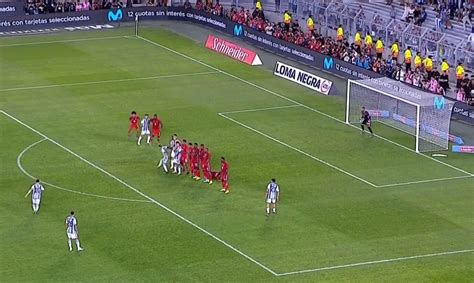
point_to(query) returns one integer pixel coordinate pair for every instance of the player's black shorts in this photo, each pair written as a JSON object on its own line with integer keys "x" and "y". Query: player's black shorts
{"x": 366, "y": 122}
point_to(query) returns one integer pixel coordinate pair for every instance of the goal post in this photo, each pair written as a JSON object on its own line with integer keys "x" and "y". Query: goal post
{"x": 136, "y": 25}
{"x": 418, "y": 113}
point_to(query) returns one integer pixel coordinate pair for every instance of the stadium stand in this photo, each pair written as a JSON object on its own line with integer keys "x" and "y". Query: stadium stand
{"x": 391, "y": 23}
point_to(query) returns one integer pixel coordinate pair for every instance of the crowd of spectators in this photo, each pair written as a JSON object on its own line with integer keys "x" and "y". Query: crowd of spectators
{"x": 33, "y": 7}
{"x": 446, "y": 12}
{"x": 206, "y": 5}
{"x": 435, "y": 81}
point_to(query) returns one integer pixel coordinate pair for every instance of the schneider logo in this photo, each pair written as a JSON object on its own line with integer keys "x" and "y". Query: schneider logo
{"x": 328, "y": 63}
{"x": 439, "y": 103}
{"x": 238, "y": 30}
{"x": 114, "y": 16}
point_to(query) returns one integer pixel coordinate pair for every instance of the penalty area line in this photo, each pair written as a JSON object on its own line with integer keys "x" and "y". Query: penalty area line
{"x": 299, "y": 151}
{"x": 375, "y": 262}
{"x": 109, "y": 81}
{"x": 164, "y": 207}
{"x": 425, "y": 181}
{"x": 260, "y": 109}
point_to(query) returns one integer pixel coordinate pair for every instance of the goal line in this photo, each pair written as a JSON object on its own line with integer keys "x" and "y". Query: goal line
{"x": 345, "y": 172}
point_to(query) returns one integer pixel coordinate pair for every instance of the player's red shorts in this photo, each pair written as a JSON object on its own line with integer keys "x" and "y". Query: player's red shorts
{"x": 155, "y": 133}
{"x": 215, "y": 175}
{"x": 133, "y": 127}
{"x": 224, "y": 178}
{"x": 183, "y": 161}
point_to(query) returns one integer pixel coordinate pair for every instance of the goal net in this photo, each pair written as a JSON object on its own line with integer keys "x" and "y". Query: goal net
{"x": 418, "y": 113}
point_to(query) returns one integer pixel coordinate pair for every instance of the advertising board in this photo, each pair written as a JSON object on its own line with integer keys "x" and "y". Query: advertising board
{"x": 303, "y": 78}
{"x": 232, "y": 50}
{"x": 463, "y": 149}
{"x": 463, "y": 112}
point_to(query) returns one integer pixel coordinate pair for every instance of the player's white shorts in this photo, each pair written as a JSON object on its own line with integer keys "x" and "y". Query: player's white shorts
{"x": 271, "y": 200}
{"x": 36, "y": 201}
{"x": 72, "y": 236}
{"x": 145, "y": 132}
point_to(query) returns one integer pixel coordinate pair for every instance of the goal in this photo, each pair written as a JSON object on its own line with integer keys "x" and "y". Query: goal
{"x": 418, "y": 113}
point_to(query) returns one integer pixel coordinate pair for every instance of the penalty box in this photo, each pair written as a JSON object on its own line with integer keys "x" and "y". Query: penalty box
{"x": 399, "y": 158}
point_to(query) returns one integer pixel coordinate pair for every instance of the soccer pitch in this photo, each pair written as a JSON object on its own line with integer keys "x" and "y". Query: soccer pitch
{"x": 353, "y": 208}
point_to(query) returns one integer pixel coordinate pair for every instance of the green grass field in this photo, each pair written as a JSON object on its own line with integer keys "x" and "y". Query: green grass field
{"x": 353, "y": 208}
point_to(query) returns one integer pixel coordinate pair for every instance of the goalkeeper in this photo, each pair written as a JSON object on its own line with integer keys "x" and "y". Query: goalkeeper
{"x": 365, "y": 120}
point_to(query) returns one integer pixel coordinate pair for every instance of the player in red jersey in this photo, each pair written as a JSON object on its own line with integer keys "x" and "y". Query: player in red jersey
{"x": 201, "y": 155}
{"x": 184, "y": 157}
{"x": 134, "y": 121}
{"x": 156, "y": 126}
{"x": 195, "y": 162}
{"x": 224, "y": 175}
{"x": 209, "y": 171}
{"x": 206, "y": 164}
{"x": 190, "y": 159}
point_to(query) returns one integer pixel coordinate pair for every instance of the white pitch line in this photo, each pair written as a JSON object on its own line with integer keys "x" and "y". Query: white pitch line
{"x": 424, "y": 181}
{"x": 62, "y": 41}
{"x": 377, "y": 186}
{"x": 375, "y": 262}
{"x": 260, "y": 109}
{"x": 294, "y": 101}
{"x": 109, "y": 81}
{"x": 22, "y": 169}
{"x": 143, "y": 195}
{"x": 299, "y": 150}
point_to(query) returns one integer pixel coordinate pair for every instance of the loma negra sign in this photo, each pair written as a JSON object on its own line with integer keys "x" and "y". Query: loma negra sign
{"x": 303, "y": 78}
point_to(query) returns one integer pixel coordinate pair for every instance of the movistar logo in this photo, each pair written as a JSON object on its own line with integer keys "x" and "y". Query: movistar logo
{"x": 439, "y": 103}
{"x": 238, "y": 30}
{"x": 115, "y": 16}
{"x": 328, "y": 63}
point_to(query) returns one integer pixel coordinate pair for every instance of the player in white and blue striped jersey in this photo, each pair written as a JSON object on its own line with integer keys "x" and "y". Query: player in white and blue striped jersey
{"x": 36, "y": 191}
{"x": 272, "y": 196}
{"x": 164, "y": 160}
{"x": 173, "y": 140}
{"x": 72, "y": 232}
{"x": 176, "y": 164}
{"x": 145, "y": 123}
